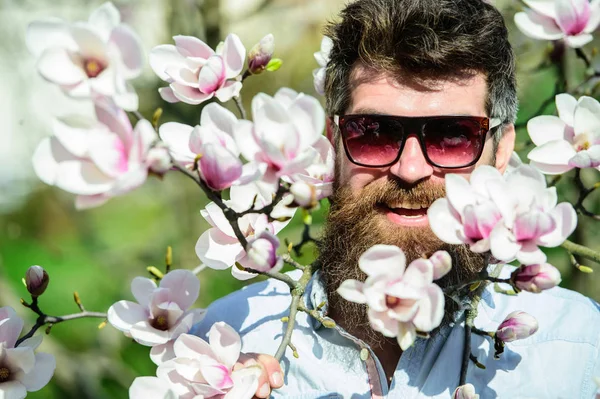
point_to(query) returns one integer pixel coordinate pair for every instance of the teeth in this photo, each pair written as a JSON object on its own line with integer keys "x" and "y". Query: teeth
{"x": 407, "y": 205}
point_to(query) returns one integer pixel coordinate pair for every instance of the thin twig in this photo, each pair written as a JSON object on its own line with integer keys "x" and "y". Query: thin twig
{"x": 290, "y": 326}
{"x": 44, "y": 319}
{"x": 292, "y": 262}
{"x": 583, "y": 57}
{"x": 238, "y": 102}
{"x": 466, "y": 354}
{"x": 580, "y": 250}
{"x": 584, "y": 192}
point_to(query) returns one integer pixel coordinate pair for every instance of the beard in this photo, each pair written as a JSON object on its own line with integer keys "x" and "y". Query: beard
{"x": 357, "y": 222}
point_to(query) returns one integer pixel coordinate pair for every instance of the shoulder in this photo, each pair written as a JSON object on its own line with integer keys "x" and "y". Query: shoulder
{"x": 248, "y": 308}
{"x": 561, "y": 314}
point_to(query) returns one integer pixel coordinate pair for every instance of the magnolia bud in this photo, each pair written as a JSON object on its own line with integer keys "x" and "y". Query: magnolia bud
{"x": 261, "y": 54}
{"x": 442, "y": 263}
{"x": 536, "y": 278}
{"x": 305, "y": 195}
{"x": 36, "y": 280}
{"x": 158, "y": 159}
{"x": 262, "y": 253}
{"x": 517, "y": 325}
{"x": 466, "y": 391}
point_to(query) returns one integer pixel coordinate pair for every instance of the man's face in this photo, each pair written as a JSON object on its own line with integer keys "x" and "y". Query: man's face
{"x": 376, "y": 205}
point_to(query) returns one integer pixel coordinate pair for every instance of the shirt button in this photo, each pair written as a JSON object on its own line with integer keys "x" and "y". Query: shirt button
{"x": 364, "y": 354}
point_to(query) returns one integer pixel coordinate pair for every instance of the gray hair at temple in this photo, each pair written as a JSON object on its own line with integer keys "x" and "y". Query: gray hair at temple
{"x": 426, "y": 41}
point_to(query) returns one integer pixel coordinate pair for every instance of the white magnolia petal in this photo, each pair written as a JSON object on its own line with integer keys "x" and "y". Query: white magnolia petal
{"x": 147, "y": 335}
{"x": 566, "y": 221}
{"x": 538, "y": 26}
{"x": 40, "y": 375}
{"x": 444, "y": 222}
{"x": 89, "y": 42}
{"x": 190, "y": 46}
{"x": 124, "y": 314}
{"x": 502, "y": 244}
{"x": 191, "y": 346}
{"x": 166, "y": 93}
{"x": 459, "y": 193}
{"x": 545, "y": 128}
{"x": 189, "y": 95}
{"x": 217, "y": 250}
{"x": 225, "y": 343}
{"x": 82, "y": 177}
{"x": 579, "y": 40}
{"x": 151, "y": 388}
{"x": 162, "y": 353}
{"x": 554, "y": 153}
{"x": 142, "y": 289}
{"x": 83, "y": 202}
{"x": 48, "y": 33}
{"x": 47, "y": 157}
{"x": 219, "y": 117}
{"x": 165, "y": 56}
{"x": 234, "y": 56}
{"x": 245, "y": 383}
{"x": 352, "y": 290}
{"x": 380, "y": 321}
{"x": 544, "y": 7}
{"x": 587, "y": 115}
{"x": 245, "y": 140}
{"x": 431, "y": 309}
{"x": 105, "y": 18}
{"x": 130, "y": 48}
{"x": 177, "y": 137}
{"x": 184, "y": 287}
{"x": 565, "y": 105}
{"x": 11, "y": 326}
{"x": 13, "y": 390}
{"x": 382, "y": 259}
{"x": 56, "y": 66}
{"x": 407, "y": 335}
{"x": 230, "y": 89}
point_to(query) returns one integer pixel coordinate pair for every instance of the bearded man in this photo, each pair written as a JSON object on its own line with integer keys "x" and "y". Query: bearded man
{"x": 412, "y": 88}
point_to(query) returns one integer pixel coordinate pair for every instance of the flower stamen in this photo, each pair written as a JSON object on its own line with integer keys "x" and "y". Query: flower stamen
{"x": 4, "y": 374}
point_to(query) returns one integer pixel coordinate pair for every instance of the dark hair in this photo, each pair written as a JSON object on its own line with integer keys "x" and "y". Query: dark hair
{"x": 424, "y": 40}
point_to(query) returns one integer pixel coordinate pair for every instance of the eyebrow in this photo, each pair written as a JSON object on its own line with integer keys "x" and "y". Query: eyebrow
{"x": 373, "y": 111}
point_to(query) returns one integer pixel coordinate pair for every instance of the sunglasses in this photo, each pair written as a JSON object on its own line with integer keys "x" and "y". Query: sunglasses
{"x": 450, "y": 142}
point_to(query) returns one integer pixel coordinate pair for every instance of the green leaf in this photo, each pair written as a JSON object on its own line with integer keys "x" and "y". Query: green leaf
{"x": 274, "y": 64}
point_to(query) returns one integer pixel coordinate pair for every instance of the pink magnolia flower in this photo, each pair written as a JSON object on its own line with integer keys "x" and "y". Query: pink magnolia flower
{"x": 161, "y": 313}
{"x": 195, "y": 72}
{"x": 95, "y": 159}
{"x": 322, "y": 58}
{"x": 517, "y": 325}
{"x": 530, "y": 217}
{"x": 571, "y": 140}
{"x": 283, "y": 136}
{"x": 466, "y": 391}
{"x": 401, "y": 300}
{"x": 571, "y": 20}
{"x": 201, "y": 370}
{"x": 83, "y": 58}
{"x": 467, "y": 215}
{"x": 305, "y": 195}
{"x": 262, "y": 253}
{"x": 21, "y": 370}
{"x": 219, "y": 248}
{"x": 536, "y": 278}
{"x": 321, "y": 172}
{"x": 212, "y": 142}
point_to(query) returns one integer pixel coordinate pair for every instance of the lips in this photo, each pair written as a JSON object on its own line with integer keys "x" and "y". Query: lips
{"x": 409, "y": 212}
{"x": 406, "y": 216}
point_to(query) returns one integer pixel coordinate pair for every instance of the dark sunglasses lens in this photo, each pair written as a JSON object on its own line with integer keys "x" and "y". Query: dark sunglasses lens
{"x": 453, "y": 142}
{"x": 372, "y": 141}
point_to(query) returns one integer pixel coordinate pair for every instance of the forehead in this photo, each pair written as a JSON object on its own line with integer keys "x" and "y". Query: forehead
{"x": 384, "y": 94}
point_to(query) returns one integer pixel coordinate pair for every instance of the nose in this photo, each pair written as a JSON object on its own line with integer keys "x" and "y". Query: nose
{"x": 412, "y": 165}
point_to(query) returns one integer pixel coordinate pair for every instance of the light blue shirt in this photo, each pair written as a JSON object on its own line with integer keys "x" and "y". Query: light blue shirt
{"x": 559, "y": 361}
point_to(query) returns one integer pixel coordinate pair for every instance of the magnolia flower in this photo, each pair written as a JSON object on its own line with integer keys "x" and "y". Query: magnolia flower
{"x": 212, "y": 142}
{"x": 322, "y": 58}
{"x": 219, "y": 248}
{"x": 305, "y": 195}
{"x": 36, "y": 280}
{"x": 401, "y": 300}
{"x": 517, "y": 325}
{"x": 260, "y": 55}
{"x": 466, "y": 391}
{"x": 467, "y": 215}
{"x": 262, "y": 253}
{"x": 21, "y": 370}
{"x": 571, "y": 140}
{"x": 201, "y": 370}
{"x": 536, "y": 278}
{"x": 161, "y": 313}
{"x": 530, "y": 217}
{"x": 321, "y": 173}
{"x": 95, "y": 159}
{"x": 282, "y": 138}
{"x": 158, "y": 159}
{"x": 571, "y": 20}
{"x": 195, "y": 72}
{"x": 509, "y": 215}
{"x": 99, "y": 56}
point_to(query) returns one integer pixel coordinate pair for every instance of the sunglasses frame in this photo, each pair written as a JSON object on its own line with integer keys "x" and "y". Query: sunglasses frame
{"x": 415, "y": 125}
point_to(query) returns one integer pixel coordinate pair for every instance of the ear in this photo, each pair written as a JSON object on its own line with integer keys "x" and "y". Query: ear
{"x": 329, "y": 131}
{"x": 505, "y": 147}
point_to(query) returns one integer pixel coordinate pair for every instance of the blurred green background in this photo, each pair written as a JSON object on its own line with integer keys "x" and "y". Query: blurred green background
{"x": 97, "y": 252}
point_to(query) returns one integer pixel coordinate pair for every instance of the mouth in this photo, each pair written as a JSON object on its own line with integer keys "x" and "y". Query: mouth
{"x": 406, "y": 214}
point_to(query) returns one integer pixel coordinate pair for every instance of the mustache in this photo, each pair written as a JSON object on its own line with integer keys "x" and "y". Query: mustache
{"x": 388, "y": 191}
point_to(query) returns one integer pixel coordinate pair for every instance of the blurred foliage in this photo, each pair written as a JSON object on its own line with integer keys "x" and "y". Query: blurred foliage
{"x": 97, "y": 252}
